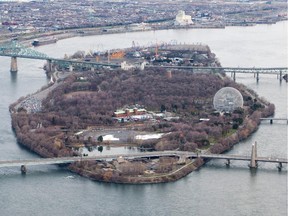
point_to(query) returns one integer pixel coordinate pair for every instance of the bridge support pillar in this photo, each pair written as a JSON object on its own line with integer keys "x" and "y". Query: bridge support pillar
{"x": 23, "y": 169}
{"x": 253, "y": 163}
{"x": 13, "y": 67}
{"x": 257, "y": 77}
{"x": 228, "y": 162}
{"x": 182, "y": 160}
{"x": 280, "y": 166}
{"x": 280, "y": 78}
{"x": 49, "y": 67}
{"x": 70, "y": 68}
{"x": 234, "y": 76}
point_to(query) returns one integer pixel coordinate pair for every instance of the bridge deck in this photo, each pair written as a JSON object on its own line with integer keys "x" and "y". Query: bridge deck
{"x": 19, "y": 51}
{"x": 271, "y": 70}
{"x": 279, "y": 119}
{"x": 66, "y": 160}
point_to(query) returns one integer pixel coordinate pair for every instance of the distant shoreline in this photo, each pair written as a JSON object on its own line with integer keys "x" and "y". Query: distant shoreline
{"x": 27, "y": 39}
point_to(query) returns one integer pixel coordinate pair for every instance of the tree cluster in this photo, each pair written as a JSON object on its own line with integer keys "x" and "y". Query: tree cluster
{"x": 90, "y": 98}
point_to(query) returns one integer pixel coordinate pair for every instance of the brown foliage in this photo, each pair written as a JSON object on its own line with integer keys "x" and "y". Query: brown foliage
{"x": 77, "y": 104}
{"x": 135, "y": 168}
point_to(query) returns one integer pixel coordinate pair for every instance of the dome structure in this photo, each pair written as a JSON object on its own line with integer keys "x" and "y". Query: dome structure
{"x": 227, "y": 99}
{"x": 182, "y": 19}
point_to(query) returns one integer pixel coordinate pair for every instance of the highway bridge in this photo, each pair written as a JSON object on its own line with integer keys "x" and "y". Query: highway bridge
{"x": 274, "y": 119}
{"x": 270, "y": 70}
{"x": 16, "y": 50}
{"x": 182, "y": 155}
{"x": 279, "y": 71}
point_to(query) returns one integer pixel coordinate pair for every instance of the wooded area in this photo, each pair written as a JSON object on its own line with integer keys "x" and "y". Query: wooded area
{"x": 90, "y": 98}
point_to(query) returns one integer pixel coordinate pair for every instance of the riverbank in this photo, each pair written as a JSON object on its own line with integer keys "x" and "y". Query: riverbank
{"x": 27, "y": 38}
{"x": 110, "y": 176}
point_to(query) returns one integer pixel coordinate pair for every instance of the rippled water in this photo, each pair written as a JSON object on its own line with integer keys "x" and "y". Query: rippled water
{"x": 212, "y": 190}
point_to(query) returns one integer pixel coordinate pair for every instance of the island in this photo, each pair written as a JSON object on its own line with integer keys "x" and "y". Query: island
{"x": 148, "y": 108}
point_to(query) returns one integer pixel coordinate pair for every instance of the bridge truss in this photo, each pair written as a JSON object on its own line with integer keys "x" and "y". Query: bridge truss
{"x": 15, "y": 49}
{"x": 276, "y": 70}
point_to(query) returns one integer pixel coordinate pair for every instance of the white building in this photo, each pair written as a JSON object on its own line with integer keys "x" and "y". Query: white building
{"x": 182, "y": 19}
{"x": 126, "y": 66}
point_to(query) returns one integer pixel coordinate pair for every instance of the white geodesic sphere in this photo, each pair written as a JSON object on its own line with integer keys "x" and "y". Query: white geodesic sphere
{"x": 227, "y": 99}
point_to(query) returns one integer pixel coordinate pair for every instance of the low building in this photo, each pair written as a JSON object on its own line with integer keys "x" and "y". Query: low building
{"x": 133, "y": 114}
{"x": 126, "y": 66}
{"x": 129, "y": 112}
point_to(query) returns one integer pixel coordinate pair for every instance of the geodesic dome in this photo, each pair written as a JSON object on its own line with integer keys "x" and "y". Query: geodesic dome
{"x": 227, "y": 99}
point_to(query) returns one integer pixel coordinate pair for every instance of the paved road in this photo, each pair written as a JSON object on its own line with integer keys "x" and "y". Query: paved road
{"x": 180, "y": 154}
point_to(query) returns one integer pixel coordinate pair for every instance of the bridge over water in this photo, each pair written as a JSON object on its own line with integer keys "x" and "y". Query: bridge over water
{"x": 274, "y": 119}
{"x": 253, "y": 159}
{"x": 16, "y": 50}
{"x": 279, "y": 71}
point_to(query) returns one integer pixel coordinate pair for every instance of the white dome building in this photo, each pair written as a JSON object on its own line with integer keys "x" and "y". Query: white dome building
{"x": 183, "y": 19}
{"x": 227, "y": 99}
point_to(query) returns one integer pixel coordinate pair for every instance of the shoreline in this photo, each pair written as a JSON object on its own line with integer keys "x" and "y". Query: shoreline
{"x": 84, "y": 32}
{"x": 173, "y": 176}
{"x": 168, "y": 177}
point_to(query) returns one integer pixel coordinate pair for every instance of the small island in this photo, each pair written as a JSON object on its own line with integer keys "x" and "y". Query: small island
{"x": 152, "y": 109}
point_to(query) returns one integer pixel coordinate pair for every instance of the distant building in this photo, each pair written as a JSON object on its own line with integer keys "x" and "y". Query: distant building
{"x": 139, "y": 26}
{"x": 182, "y": 19}
{"x": 129, "y": 112}
{"x": 126, "y": 66}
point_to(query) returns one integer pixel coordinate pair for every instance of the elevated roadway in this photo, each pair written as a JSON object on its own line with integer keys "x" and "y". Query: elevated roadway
{"x": 274, "y": 119}
{"x": 157, "y": 154}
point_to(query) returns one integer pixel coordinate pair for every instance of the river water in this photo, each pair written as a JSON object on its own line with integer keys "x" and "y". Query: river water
{"x": 212, "y": 190}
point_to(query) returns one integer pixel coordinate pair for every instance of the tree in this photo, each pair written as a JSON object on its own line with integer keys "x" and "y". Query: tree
{"x": 90, "y": 139}
{"x": 100, "y": 148}
{"x": 235, "y": 126}
{"x": 100, "y": 138}
{"x": 163, "y": 108}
